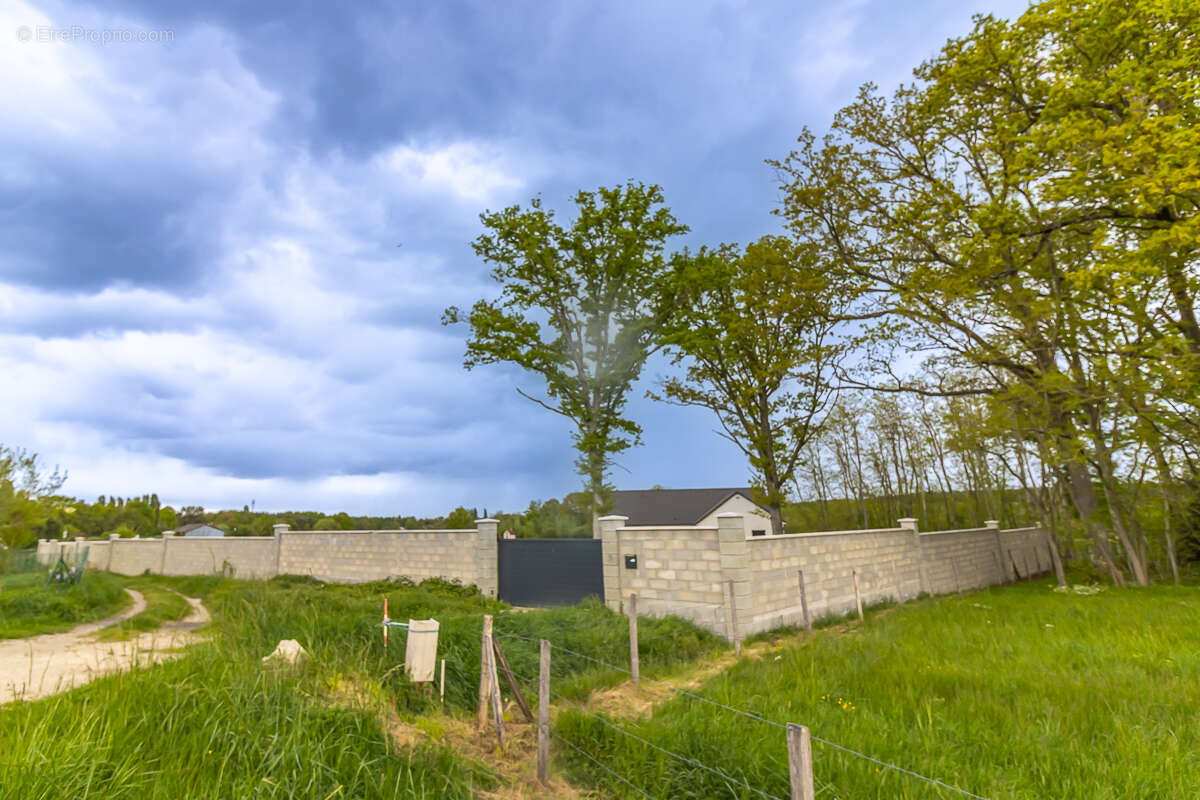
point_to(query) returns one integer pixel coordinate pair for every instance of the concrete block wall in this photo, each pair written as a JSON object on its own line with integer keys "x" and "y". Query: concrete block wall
{"x": 1026, "y": 548}
{"x": 360, "y": 556}
{"x": 700, "y": 573}
{"x": 678, "y": 571}
{"x": 886, "y": 560}
{"x": 132, "y": 556}
{"x": 238, "y": 557}
{"x": 962, "y": 559}
{"x": 467, "y": 555}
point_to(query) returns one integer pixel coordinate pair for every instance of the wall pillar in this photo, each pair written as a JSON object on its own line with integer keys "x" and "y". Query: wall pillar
{"x": 735, "y": 567}
{"x": 994, "y": 526}
{"x": 910, "y": 524}
{"x": 608, "y": 529}
{"x": 113, "y": 538}
{"x": 486, "y": 553}
{"x": 278, "y": 530}
{"x": 79, "y": 540}
{"x": 166, "y": 537}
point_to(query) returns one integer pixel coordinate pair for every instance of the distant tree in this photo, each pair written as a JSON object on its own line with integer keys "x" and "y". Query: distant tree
{"x": 460, "y": 518}
{"x": 580, "y": 306}
{"x": 326, "y": 524}
{"x": 754, "y": 333}
{"x": 167, "y": 519}
{"x": 189, "y": 515}
{"x": 25, "y": 489}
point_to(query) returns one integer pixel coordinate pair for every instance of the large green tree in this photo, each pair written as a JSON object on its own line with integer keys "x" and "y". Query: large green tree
{"x": 580, "y": 306}
{"x": 1025, "y": 213}
{"x": 754, "y": 332}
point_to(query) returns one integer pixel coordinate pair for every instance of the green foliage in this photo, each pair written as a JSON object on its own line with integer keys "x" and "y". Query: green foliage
{"x": 460, "y": 518}
{"x": 755, "y": 333}
{"x": 579, "y": 306}
{"x": 1004, "y": 693}
{"x": 570, "y": 517}
{"x": 1009, "y": 213}
{"x": 25, "y": 490}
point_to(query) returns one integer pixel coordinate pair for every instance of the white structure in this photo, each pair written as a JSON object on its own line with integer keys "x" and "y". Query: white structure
{"x": 691, "y": 507}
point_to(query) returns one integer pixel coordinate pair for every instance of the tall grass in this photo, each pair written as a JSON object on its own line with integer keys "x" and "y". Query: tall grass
{"x": 28, "y": 606}
{"x": 1012, "y": 693}
{"x": 214, "y": 725}
{"x": 217, "y": 724}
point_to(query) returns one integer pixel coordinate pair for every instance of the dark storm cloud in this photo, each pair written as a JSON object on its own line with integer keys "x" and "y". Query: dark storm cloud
{"x": 226, "y": 258}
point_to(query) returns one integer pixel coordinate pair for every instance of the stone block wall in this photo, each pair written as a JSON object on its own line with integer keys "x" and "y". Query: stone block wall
{"x": 468, "y": 555}
{"x": 131, "y": 556}
{"x": 359, "y": 556}
{"x": 678, "y": 571}
{"x": 886, "y": 560}
{"x": 711, "y": 575}
{"x": 237, "y": 557}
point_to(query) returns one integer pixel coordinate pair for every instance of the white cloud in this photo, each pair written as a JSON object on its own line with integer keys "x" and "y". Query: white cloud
{"x": 471, "y": 171}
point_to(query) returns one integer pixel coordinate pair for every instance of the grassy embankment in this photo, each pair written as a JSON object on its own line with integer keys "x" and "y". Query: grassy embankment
{"x": 217, "y": 724}
{"x": 1012, "y": 693}
{"x": 28, "y": 607}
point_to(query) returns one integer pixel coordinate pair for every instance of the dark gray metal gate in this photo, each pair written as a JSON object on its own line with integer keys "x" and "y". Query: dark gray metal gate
{"x": 549, "y": 572}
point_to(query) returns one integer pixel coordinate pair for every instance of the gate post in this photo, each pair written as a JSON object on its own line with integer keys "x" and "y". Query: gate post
{"x": 610, "y": 557}
{"x": 486, "y": 551}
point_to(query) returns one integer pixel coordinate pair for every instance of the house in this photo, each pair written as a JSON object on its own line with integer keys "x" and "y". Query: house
{"x": 666, "y": 508}
{"x": 198, "y": 529}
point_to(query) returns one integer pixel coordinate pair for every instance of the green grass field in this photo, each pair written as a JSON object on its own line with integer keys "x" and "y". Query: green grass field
{"x": 29, "y": 607}
{"x": 1013, "y": 693}
{"x": 216, "y": 724}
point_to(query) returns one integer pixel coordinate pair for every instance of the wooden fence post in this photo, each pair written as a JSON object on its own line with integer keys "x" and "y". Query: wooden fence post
{"x": 442, "y": 690}
{"x": 857, "y": 595}
{"x": 800, "y": 762}
{"x": 513, "y": 686}
{"x": 804, "y": 602}
{"x": 543, "y": 741}
{"x": 494, "y": 687}
{"x": 633, "y": 638}
{"x": 737, "y": 640}
{"x": 485, "y": 680}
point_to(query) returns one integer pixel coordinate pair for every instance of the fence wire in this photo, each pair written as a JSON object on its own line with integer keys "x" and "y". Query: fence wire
{"x": 610, "y": 771}
{"x": 686, "y": 759}
{"x": 749, "y": 715}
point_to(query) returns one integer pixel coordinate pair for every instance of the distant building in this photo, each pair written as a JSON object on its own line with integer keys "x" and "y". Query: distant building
{"x": 666, "y": 508}
{"x": 198, "y": 529}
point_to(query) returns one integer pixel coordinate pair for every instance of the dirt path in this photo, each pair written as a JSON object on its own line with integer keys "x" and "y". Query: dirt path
{"x": 43, "y": 665}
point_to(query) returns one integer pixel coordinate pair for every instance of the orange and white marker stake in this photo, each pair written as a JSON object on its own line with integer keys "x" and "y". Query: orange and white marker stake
{"x": 385, "y": 622}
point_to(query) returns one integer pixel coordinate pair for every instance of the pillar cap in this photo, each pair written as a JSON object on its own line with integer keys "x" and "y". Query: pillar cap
{"x": 487, "y": 519}
{"x": 612, "y": 517}
{"x": 991, "y": 523}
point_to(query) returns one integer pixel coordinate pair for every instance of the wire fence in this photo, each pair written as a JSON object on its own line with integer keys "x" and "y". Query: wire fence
{"x": 16, "y": 562}
{"x": 730, "y": 779}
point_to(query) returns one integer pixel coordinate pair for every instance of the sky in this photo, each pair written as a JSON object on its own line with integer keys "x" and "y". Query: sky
{"x": 229, "y": 230}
